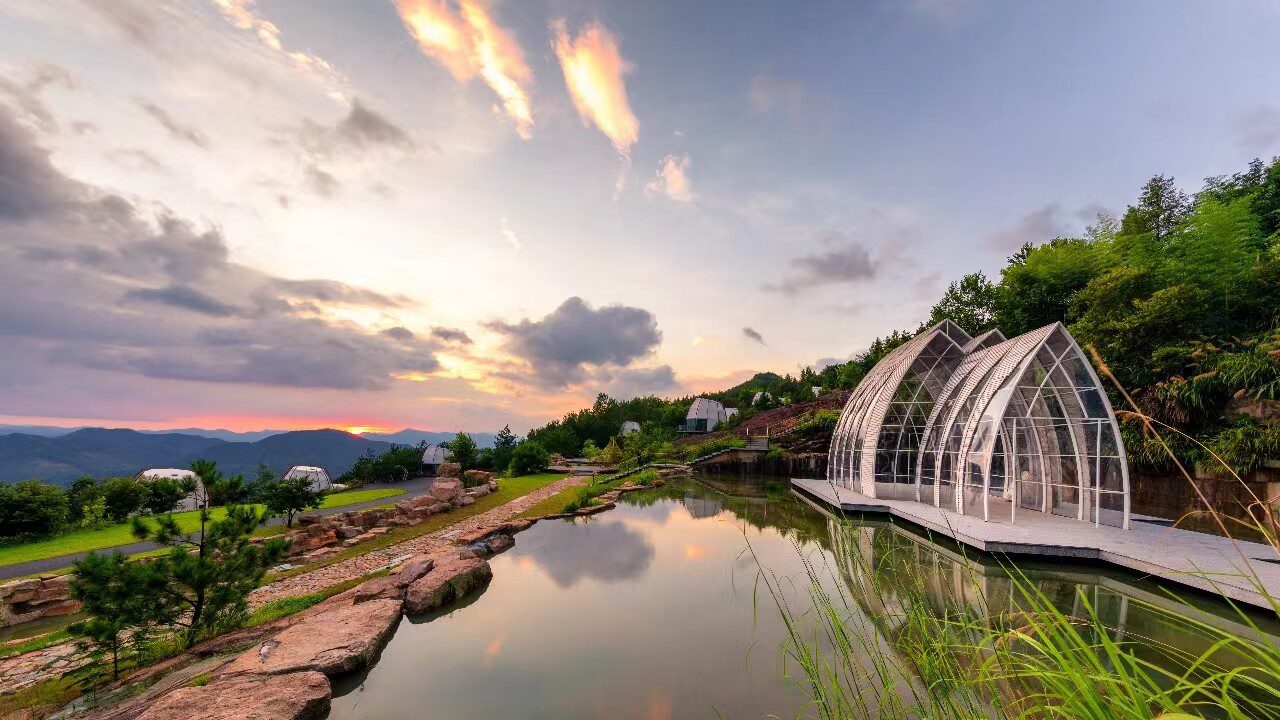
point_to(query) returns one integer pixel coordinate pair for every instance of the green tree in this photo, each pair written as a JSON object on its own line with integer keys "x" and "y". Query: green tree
{"x": 207, "y": 575}
{"x": 83, "y": 492}
{"x": 969, "y": 303}
{"x": 162, "y": 495}
{"x": 289, "y": 496}
{"x": 529, "y": 457}
{"x": 125, "y": 602}
{"x": 32, "y": 508}
{"x": 123, "y": 496}
{"x": 589, "y": 450}
{"x": 463, "y": 450}
{"x": 612, "y": 454}
{"x": 503, "y": 444}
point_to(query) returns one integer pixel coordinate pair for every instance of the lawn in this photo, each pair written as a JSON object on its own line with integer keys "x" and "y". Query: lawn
{"x": 85, "y": 540}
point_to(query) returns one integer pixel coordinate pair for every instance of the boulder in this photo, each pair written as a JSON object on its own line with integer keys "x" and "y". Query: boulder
{"x": 291, "y": 696}
{"x": 498, "y": 543}
{"x": 346, "y": 532}
{"x": 450, "y": 579}
{"x": 593, "y": 509}
{"x": 332, "y": 642}
{"x": 19, "y": 590}
{"x": 414, "y": 568}
{"x": 447, "y": 490}
{"x": 449, "y": 470}
{"x": 387, "y": 587}
{"x": 479, "y": 476}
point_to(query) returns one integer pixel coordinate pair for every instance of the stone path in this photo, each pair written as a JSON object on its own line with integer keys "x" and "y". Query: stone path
{"x": 24, "y": 670}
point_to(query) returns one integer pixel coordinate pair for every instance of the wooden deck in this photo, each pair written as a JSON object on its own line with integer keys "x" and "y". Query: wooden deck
{"x": 1243, "y": 571}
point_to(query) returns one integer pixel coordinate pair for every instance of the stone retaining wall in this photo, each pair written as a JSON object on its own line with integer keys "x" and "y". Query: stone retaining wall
{"x": 47, "y": 596}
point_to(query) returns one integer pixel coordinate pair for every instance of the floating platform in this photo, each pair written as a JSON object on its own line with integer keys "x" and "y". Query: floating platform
{"x": 1247, "y": 572}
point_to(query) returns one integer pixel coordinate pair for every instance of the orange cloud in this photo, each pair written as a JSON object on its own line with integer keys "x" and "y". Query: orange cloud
{"x": 240, "y": 14}
{"x": 593, "y": 72}
{"x": 672, "y": 179}
{"x": 467, "y": 42}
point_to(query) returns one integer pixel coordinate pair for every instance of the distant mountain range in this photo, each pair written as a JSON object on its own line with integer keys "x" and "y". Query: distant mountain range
{"x": 101, "y": 452}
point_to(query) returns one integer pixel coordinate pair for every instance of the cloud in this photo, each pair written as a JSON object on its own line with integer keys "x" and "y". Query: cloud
{"x": 403, "y": 334}
{"x": 89, "y": 279}
{"x": 321, "y": 181}
{"x": 627, "y": 383}
{"x": 1258, "y": 130}
{"x": 177, "y": 130}
{"x": 240, "y": 14}
{"x": 134, "y": 21}
{"x": 823, "y": 363}
{"x": 754, "y": 335}
{"x": 510, "y": 234}
{"x": 137, "y": 159}
{"x": 27, "y": 96}
{"x": 463, "y": 37}
{"x": 593, "y": 72}
{"x": 364, "y": 129}
{"x": 672, "y": 179}
{"x": 451, "y": 335}
{"x": 1038, "y": 226}
{"x": 850, "y": 261}
{"x": 561, "y": 346}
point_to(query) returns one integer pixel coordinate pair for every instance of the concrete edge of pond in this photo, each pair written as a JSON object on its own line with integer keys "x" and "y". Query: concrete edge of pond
{"x": 1207, "y": 563}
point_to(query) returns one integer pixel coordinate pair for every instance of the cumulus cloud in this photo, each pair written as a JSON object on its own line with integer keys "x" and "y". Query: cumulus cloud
{"x": 672, "y": 180}
{"x": 89, "y": 279}
{"x": 177, "y": 130}
{"x": 451, "y": 335}
{"x": 574, "y": 338}
{"x": 753, "y": 334}
{"x": 849, "y": 261}
{"x": 1042, "y": 225}
{"x": 27, "y": 96}
{"x": 593, "y": 72}
{"x": 360, "y": 131}
{"x": 463, "y": 37}
{"x": 240, "y": 14}
{"x": 321, "y": 181}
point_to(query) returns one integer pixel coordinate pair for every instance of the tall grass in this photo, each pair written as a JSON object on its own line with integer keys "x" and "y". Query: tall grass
{"x": 883, "y": 638}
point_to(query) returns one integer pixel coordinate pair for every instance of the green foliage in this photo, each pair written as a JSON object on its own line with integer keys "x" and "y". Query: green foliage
{"x": 123, "y": 497}
{"x": 612, "y": 453}
{"x": 589, "y": 450}
{"x": 31, "y": 508}
{"x": 504, "y": 443}
{"x": 400, "y": 462}
{"x": 287, "y": 497}
{"x": 162, "y": 495}
{"x": 462, "y": 450}
{"x": 529, "y": 457}
{"x": 822, "y": 422}
{"x": 207, "y": 575}
{"x": 969, "y": 303}
{"x": 119, "y": 597}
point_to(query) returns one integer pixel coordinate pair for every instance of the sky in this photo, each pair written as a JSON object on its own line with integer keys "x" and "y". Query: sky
{"x": 460, "y": 214}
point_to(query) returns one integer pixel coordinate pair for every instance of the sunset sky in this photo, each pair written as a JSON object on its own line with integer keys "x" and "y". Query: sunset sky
{"x": 459, "y": 214}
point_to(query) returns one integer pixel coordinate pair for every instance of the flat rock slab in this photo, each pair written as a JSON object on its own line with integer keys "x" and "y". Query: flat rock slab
{"x": 292, "y": 696}
{"x": 450, "y": 579}
{"x": 332, "y": 642}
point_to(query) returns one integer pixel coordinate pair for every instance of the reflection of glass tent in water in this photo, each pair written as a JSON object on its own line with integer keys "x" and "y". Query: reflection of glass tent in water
{"x": 987, "y": 426}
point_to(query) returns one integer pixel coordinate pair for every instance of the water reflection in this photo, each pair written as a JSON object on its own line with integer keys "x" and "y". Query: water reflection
{"x": 600, "y": 548}
{"x": 653, "y": 610}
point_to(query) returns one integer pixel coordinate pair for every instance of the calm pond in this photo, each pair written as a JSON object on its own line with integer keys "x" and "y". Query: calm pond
{"x": 653, "y": 611}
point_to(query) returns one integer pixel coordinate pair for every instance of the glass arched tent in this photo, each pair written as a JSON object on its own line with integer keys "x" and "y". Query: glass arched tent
{"x": 986, "y": 426}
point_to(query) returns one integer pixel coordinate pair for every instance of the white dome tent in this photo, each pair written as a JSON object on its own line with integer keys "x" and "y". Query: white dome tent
{"x": 434, "y": 456}
{"x": 629, "y": 427}
{"x": 193, "y": 500}
{"x": 760, "y": 397}
{"x": 319, "y": 477}
{"x": 703, "y": 416}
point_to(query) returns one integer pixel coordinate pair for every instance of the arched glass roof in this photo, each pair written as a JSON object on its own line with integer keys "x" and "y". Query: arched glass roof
{"x": 986, "y": 426}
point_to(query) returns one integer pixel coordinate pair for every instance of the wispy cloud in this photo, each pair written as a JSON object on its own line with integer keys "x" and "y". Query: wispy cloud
{"x": 849, "y": 261}
{"x": 672, "y": 180}
{"x": 593, "y": 72}
{"x": 240, "y": 14}
{"x": 176, "y": 129}
{"x": 510, "y": 235}
{"x": 753, "y": 334}
{"x": 464, "y": 38}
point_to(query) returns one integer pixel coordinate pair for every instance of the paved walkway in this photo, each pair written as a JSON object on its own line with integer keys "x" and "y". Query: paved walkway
{"x": 1211, "y": 563}
{"x": 25, "y": 670}
{"x": 412, "y": 488}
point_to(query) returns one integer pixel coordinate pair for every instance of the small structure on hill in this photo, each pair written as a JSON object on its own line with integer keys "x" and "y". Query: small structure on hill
{"x": 435, "y": 456}
{"x": 760, "y": 398}
{"x": 629, "y": 427}
{"x": 193, "y": 500}
{"x": 703, "y": 416}
{"x": 318, "y": 476}
{"x": 817, "y": 390}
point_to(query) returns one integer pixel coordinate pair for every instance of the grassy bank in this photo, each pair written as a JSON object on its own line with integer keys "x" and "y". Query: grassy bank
{"x": 115, "y": 535}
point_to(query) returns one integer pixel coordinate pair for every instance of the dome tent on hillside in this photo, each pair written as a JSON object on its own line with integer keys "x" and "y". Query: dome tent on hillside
{"x": 629, "y": 427}
{"x": 703, "y": 416}
{"x": 193, "y": 500}
{"x": 319, "y": 477}
{"x": 434, "y": 456}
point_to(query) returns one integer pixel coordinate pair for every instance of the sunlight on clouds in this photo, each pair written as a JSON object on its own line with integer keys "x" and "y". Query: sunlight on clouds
{"x": 469, "y": 43}
{"x": 593, "y": 71}
{"x": 672, "y": 179}
{"x": 240, "y": 14}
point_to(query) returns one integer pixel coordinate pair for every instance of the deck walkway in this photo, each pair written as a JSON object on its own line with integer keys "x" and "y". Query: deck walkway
{"x": 1214, "y": 564}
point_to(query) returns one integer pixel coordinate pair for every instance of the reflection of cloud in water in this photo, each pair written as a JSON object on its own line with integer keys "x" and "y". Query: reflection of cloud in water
{"x": 603, "y": 550}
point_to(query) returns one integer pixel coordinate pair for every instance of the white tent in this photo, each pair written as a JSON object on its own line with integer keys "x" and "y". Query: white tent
{"x": 318, "y": 476}
{"x": 760, "y": 397}
{"x": 817, "y": 390}
{"x": 190, "y": 502}
{"x": 629, "y": 427}
{"x": 435, "y": 455}
{"x": 703, "y": 416}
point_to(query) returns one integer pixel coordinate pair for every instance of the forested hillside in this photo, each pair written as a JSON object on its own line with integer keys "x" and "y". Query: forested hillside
{"x": 1180, "y": 296}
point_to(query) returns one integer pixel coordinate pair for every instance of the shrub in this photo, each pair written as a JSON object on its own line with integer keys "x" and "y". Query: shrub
{"x": 463, "y": 450}
{"x": 529, "y": 457}
{"x": 123, "y": 497}
{"x": 162, "y": 495}
{"x": 31, "y": 508}
{"x": 820, "y": 423}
